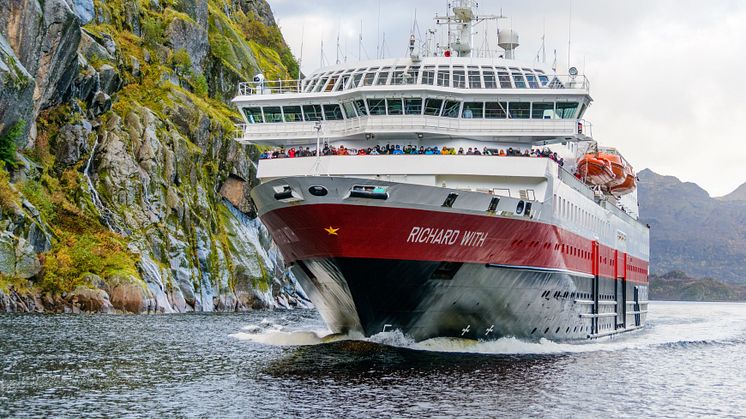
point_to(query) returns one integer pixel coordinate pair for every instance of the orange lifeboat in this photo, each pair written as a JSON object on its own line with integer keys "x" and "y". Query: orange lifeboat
{"x": 594, "y": 169}
{"x": 628, "y": 185}
{"x": 618, "y": 166}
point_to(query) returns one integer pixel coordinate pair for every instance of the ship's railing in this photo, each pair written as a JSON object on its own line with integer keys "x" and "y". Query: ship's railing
{"x": 346, "y": 82}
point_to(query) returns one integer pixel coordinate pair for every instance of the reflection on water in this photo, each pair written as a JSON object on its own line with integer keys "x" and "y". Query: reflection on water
{"x": 688, "y": 362}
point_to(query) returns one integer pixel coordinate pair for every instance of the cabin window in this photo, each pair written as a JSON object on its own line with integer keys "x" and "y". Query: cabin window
{"x": 489, "y": 79}
{"x": 414, "y": 73}
{"x": 349, "y": 109}
{"x": 413, "y": 106}
{"x": 566, "y": 110}
{"x": 292, "y": 114}
{"x": 432, "y": 106}
{"x": 312, "y": 112}
{"x": 520, "y": 82}
{"x": 473, "y": 110}
{"x": 532, "y": 83}
{"x": 504, "y": 80}
{"x": 495, "y": 110}
{"x": 493, "y": 205}
{"x": 272, "y": 114}
{"x": 519, "y": 110}
{"x": 444, "y": 77}
{"x": 475, "y": 80}
{"x": 543, "y": 80}
{"x": 428, "y": 75}
{"x": 332, "y": 112}
{"x": 360, "y": 108}
{"x": 459, "y": 79}
{"x": 377, "y": 106}
{"x": 451, "y": 109}
{"x": 369, "y": 76}
{"x": 356, "y": 80}
{"x": 253, "y": 115}
{"x": 399, "y": 76}
{"x": 383, "y": 77}
{"x": 450, "y": 199}
{"x": 394, "y": 106}
{"x": 542, "y": 110}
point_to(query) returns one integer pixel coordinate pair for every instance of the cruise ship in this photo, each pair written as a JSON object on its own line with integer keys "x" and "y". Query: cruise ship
{"x": 454, "y": 192}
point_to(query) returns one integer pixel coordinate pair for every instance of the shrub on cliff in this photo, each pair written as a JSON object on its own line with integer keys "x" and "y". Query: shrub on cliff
{"x": 8, "y": 143}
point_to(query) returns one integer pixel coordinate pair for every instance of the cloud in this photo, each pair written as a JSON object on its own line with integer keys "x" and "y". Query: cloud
{"x": 664, "y": 74}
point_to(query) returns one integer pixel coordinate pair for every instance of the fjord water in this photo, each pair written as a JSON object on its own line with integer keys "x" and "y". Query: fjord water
{"x": 689, "y": 361}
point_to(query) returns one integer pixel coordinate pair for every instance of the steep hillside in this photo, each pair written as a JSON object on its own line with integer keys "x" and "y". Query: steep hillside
{"x": 692, "y": 232}
{"x": 678, "y": 286}
{"x": 123, "y": 184}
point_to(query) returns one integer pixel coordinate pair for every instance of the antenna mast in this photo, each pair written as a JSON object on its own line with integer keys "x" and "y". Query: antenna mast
{"x": 460, "y": 26}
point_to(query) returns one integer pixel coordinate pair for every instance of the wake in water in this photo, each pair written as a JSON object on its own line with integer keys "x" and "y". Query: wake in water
{"x": 672, "y": 325}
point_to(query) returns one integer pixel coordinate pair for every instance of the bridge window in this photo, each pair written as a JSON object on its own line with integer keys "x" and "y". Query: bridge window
{"x": 532, "y": 83}
{"x": 504, "y": 79}
{"x": 383, "y": 77}
{"x": 459, "y": 79}
{"x": 520, "y": 82}
{"x": 312, "y": 112}
{"x": 360, "y": 108}
{"x": 519, "y": 110}
{"x": 356, "y": 80}
{"x": 444, "y": 78}
{"x": 473, "y": 110}
{"x": 377, "y": 106}
{"x": 253, "y": 115}
{"x": 369, "y": 76}
{"x": 475, "y": 80}
{"x": 544, "y": 80}
{"x": 395, "y": 106}
{"x": 349, "y": 110}
{"x": 432, "y": 106}
{"x": 399, "y": 76}
{"x": 332, "y": 113}
{"x": 428, "y": 75}
{"x": 292, "y": 114}
{"x": 542, "y": 110}
{"x": 414, "y": 74}
{"x": 413, "y": 106}
{"x": 495, "y": 110}
{"x": 489, "y": 79}
{"x": 566, "y": 110}
{"x": 272, "y": 114}
{"x": 451, "y": 109}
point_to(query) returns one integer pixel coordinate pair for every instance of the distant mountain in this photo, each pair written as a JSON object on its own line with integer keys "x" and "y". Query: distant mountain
{"x": 738, "y": 195}
{"x": 692, "y": 232}
{"x": 678, "y": 286}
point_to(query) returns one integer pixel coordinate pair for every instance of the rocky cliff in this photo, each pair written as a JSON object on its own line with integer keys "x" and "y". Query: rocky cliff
{"x": 123, "y": 188}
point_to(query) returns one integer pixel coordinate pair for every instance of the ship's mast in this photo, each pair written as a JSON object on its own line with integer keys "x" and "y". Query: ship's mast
{"x": 460, "y": 27}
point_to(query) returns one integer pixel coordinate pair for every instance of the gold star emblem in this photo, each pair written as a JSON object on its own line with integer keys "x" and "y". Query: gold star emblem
{"x": 332, "y": 231}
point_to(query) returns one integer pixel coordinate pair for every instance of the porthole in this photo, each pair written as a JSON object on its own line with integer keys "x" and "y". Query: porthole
{"x": 318, "y": 190}
{"x": 520, "y": 207}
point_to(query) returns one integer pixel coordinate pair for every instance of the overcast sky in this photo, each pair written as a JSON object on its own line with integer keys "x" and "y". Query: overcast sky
{"x": 665, "y": 74}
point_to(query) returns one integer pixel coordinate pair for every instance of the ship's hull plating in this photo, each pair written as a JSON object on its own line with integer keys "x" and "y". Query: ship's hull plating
{"x": 368, "y": 269}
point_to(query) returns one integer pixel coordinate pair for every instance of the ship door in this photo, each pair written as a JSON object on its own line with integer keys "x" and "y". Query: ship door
{"x": 595, "y": 268}
{"x": 620, "y": 289}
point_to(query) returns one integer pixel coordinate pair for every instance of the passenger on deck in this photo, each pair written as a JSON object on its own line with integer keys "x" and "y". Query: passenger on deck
{"x": 291, "y": 152}
{"x": 477, "y": 152}
{"x": 397, "y": 150}
{"x": 486, "y": 152}
{"x": 470, "y": 152}
{"x": 444, "y": 151}
{"x": 460, "y": 150}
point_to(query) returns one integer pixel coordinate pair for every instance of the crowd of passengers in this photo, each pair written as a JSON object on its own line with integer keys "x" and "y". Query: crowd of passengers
{"x": 330, "y": 150}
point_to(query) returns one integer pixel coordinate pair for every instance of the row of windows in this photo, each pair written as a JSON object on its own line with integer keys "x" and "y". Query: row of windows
{"x": 412, "y": 106}
{"x": 469, "y": 77}
{"x": 567, "y": 210}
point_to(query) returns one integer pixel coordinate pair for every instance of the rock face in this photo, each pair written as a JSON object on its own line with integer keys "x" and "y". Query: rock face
{"x": 129, "y": 191}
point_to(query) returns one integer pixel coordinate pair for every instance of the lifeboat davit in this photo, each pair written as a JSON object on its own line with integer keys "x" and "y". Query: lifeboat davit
{"x": 595, "y": 170}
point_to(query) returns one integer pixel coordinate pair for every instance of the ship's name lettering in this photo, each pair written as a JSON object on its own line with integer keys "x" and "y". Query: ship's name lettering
{"x": 432, "y": 235}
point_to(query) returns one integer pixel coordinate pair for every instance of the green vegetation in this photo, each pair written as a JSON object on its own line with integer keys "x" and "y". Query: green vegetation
{"x": 8, "y": 143}
{"x": 8, "y": 196}
{"x": 678, "y": 286}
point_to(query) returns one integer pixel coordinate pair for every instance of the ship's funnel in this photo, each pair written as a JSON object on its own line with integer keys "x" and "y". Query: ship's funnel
{"x": 508, "y": 40}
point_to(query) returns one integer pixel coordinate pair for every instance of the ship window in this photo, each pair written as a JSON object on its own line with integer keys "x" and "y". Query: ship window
{"x": 475, "y": 81}
{"x": 520, "y": 82}
{"x": 542, "y": 111}
{"x": 544, "y": 80}
{"x": 414, "y": 74}
{"x": 343, "y": 82}
{"x": 493, "y": 204}
{"x": 566, "y": 110}
{"x": 383, "y": 77}
{"x": 451, "y": 109}
{"x": 320, "y": 84}
{"x": 272, "y": 114}
{"x": 504, "y": 80}
{"x": 495, "y": 110}
{"x": 356, "y": 80}
{"x": 519, "y": 110}
{"x": 519, "y": 208}
{"x": 253, "y": 115}
{"x": 413, "y": 106}
{"x": 532, "y": 81}
{"x": 399, "y": 76}
{"x": 349, "y": 109}
{"x": 459, "y": 79}
{"x": 292, "y": 114}
{"x": 394, "y": 106}
{"x": 428, "y": 75}
{"x": 473, "y": 110}
{"x": 450, "y": 199}
{"x": 377, "y": 106}
{"x": 360, "y": 107}
{"x": 369, "y": 76}
{"x": 332, "y": 112}
{"x": 446, "y": 270}
{"x": 312, "y": 112}
{"x": 432, "y": 106}
{"x": 489, "y": 79}
{"x": 444, "y": 78}
{"x": 332, "y": 83}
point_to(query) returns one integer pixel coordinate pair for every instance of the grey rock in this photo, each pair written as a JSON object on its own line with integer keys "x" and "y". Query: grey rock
{"x": 89, "y": 300}
{"x": 86, "y": 82}
{"x": 83, "y": 10}
{"x": 27, "y": 263}
{"x": 92, "y": 49}
{"x": 7, "y": 255}
{"x": 16, "y": 92}
{"x": 190, "y": 37}
{"x": 109, "y": 79}
{"x": 71, "y": 144}
{"x": 101, "y": 103}
{"x": 21, "y": 24}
